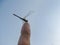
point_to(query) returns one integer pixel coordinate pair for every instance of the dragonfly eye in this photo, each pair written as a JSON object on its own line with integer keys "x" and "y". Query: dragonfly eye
{"x": 26, "y": 20}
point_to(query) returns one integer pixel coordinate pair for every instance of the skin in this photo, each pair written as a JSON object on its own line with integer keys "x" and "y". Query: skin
{"x": 25, "y": 35}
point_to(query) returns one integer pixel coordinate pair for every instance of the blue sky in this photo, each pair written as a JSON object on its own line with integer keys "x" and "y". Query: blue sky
{"x": 44, "y": 22}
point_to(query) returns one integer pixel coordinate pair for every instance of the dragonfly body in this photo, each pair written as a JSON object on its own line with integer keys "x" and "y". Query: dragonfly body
{"x": 21, "y": 18}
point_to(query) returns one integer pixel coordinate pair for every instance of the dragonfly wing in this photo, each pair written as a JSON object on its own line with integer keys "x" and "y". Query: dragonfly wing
{"x": 28, "y": 14}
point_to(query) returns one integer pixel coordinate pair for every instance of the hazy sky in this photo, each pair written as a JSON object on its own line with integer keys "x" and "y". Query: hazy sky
{"x": 44, "y": 22}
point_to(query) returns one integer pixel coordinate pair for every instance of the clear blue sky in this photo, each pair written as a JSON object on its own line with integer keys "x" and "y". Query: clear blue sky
{"x": 44, "y": 22}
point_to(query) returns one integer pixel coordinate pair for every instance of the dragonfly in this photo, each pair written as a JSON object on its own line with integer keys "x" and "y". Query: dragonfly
{"x": 24, "y": 18}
